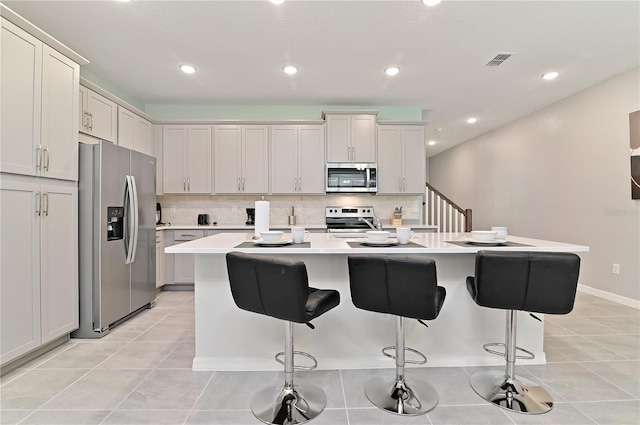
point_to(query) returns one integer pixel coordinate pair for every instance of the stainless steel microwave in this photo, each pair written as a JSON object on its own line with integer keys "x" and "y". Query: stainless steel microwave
{"x": 352, "y": 178}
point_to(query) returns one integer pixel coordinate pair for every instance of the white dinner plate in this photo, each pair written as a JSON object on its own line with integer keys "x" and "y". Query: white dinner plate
{"x": 493, "y": 242}
{"x": 386, "y": 242}
{"x": 281, "y": 242}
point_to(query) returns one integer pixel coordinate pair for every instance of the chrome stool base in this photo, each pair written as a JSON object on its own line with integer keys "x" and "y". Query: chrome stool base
{"x": 517, "y": 395}
{"x": 282, "y": 406}
{"x": 413, "y": 398}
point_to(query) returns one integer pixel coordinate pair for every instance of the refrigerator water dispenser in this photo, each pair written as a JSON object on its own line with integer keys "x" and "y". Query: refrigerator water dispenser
{"x": 115, "y": 223}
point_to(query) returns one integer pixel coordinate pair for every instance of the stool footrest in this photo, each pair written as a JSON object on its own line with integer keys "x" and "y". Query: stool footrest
{"x": 301, "y": 353}
{"x": 528, "y": 354}
{"x": 393, "y": 347}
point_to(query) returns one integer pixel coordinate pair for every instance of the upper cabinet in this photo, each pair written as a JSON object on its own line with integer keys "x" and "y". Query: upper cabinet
{"x": 241, "y": 159}
{"x": 134, "y": 132}
{"x": 186, "y": 157}
{"x": 297, "y": 159}
{"x": 39, "y": 99}
{"x": 351, "y": 137}
{"x": 98, "y": 116}
{"x": 401, "y": 159}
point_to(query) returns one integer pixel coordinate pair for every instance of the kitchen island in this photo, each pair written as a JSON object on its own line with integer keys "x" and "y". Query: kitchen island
{"x": 228, "y": 338}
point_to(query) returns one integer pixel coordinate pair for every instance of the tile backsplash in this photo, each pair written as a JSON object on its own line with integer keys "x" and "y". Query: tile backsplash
{"x": 184, "y": 209}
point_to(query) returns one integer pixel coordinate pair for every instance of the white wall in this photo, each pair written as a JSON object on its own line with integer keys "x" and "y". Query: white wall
{"x": 561, "y": 173}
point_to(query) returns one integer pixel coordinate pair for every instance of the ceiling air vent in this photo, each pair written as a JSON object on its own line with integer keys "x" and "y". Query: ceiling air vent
{"x": 498, "y": 59}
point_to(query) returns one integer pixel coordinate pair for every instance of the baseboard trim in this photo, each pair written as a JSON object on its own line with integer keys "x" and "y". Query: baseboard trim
{"x": 234, "y": 364}
{"x": 630, "y": 302}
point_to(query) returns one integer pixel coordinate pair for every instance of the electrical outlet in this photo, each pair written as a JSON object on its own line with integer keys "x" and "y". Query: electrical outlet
{"x": 173, "y": 209}
{"x": 385, "y": 317}
{"x": 414, "y": 207}
{"x": 615, "y": 269}
{"x": 298, "y": 207}
{"x": 234, "y": 208}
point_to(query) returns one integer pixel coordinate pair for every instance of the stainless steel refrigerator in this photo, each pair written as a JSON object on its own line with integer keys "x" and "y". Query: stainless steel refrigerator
{"x": 117, "y": 201}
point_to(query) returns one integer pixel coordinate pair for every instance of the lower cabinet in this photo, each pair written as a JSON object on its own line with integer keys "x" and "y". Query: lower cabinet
{"x": 159, "y": 258}
{"x": 38, "y": 263}
{"x": 180, "y": 268}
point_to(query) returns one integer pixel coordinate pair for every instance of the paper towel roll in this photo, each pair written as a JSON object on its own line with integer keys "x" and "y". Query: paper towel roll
{"x": 262, "y": 217}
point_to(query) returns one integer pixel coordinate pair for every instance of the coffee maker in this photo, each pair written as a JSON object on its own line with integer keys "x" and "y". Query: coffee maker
{"x": 158, "y": 213}
{"x": 251, "y": 216}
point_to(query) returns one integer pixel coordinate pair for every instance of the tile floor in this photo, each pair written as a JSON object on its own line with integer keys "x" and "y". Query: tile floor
{"x": 141, "y": 374}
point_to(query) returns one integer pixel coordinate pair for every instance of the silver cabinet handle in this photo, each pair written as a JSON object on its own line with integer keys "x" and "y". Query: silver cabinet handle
{"x": 353, "y": 153}
{"x": 38, "y": 203}
{"x": 399, "y": 184}
{"x": 243, "y": 184}
{"x": 188, "y": 184}
{"x": 45, "y": 153}
{"x": 184, "y": 185}
{"x": 38, "y": 157}
{"x": 46, "y": 204}
{"x": 238, "y": 184}
{"x": 91, "y": 122}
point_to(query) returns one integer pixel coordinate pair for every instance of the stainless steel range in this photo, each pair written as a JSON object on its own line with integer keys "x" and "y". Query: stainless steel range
{"x": 346, "y": 220}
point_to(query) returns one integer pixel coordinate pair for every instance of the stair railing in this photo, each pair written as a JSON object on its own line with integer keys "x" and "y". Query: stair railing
{"x": 443, "y": 212}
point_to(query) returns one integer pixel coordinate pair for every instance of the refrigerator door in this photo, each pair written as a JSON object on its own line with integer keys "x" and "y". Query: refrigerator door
{"x": 112, "y": 299}
{"x": 143, "y": 268}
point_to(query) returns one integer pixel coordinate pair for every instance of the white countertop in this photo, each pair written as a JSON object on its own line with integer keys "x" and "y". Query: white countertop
{"x": 243, "y": 227}
{"x": 326, "y": 243}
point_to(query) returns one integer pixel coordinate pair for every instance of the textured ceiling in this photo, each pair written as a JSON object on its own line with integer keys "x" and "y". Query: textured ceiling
{"x": 342, "y": 47}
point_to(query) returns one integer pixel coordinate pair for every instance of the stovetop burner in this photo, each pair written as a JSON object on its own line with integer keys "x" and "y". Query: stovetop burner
{"x": 347, "y": 219}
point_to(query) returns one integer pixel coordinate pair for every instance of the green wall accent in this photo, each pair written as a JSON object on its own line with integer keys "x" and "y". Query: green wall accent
{"x": 111, "y": 88}
{"x": 272, "y": 112}
{"x": 164, "y": 112}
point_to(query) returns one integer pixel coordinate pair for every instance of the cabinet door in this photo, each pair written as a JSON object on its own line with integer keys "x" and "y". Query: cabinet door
{"x": 199, "y": 159}
{"x": 227, "y": 158}
{"x": 311, "y": 159}
{"x": 143, "y": 140}
{"x": 338, "y": 138}
{"x": 59, "y": 261}
{"x": 19, "y": 268}
{"x": 60, "y": 82}
{"x": 284, "y": 159}
{"x": 83, "y": 104}
{"x": 255, "y": 155}
{"x": 363, "y": 138}
{"x": 413, "y": 160}
{"x": 20, "y": 79}
{"x": 159, "y": 258}
{"x": 174, "y": 159}
{"x": 389, "y": 159}
{"x": 157, "y": 142}
{"x": 126, "y": 128}
{"x": 103, "y": 117}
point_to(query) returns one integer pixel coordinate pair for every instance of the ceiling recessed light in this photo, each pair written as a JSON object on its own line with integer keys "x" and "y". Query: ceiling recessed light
{"x": 277, "y": 1}
{"x": 432, "y": 142}
{"x": 188, "y": 69}
{"x": 431, "y": 2}
{"x": 290, "y": 69}
{"x": 392, "y": 70}
{"x": 550, "y": 75}
{"x": 472, "y": 120}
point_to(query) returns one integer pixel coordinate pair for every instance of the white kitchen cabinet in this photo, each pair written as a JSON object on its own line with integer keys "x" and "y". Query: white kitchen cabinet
{"x": 351, "y": 137}
{"x": 98, "y": 115}
{"x": 134, "y": 132}
{"x": 159, "y": 258}
{"x": 401, "y": 159}
{"x": 297, "y": 159}
{"x": 184, "y": 265}
{"x": 241, "y": 159}
{"x": 186, "y": 156}
{"x": 39, "y": 99}
{"x": 39, "y": 263}
{"x": 157, "y": 144}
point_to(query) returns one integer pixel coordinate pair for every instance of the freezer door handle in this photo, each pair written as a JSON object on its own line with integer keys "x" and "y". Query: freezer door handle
{"x": 130, "y": 219}
{"x": 136, "y": 218}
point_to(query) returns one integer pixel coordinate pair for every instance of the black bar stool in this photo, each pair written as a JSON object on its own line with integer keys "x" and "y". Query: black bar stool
{"x": 538, "y": 282}
{"x": 404, "y": 287}
{"x": 279, "y": 288}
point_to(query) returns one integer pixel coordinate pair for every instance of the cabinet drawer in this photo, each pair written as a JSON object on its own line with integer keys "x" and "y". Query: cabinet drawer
{"x": 187, "y": 235}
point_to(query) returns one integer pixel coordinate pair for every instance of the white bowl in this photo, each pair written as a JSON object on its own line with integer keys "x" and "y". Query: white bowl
{"x": 483, "y": 235}
{"x": 272, "y": 235}
{"x": 377, "y": 235}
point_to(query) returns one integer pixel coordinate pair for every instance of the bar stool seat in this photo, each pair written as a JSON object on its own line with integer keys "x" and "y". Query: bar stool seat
{"x": 405, "y": 287}
{"x": 279, "y": 287}
{"x": 537, "y": 282}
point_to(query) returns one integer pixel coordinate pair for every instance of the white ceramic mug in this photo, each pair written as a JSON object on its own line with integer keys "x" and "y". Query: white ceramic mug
{"x": 298, "y": 234}
{"x": 501, "y": 233}
{"x": 404, "y": 235}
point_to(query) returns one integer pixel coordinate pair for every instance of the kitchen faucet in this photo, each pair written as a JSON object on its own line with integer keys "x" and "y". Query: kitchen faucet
{"x": 376, "y": 220}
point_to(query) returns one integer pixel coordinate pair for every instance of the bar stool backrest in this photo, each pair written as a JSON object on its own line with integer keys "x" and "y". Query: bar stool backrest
{"x": 541, "y": 282}
{"x": 276, "y": 287}
{"x": 403, "y": 286}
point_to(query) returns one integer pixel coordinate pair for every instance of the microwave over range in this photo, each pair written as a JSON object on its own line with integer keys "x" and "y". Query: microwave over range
{"x": 352, "y": 178}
